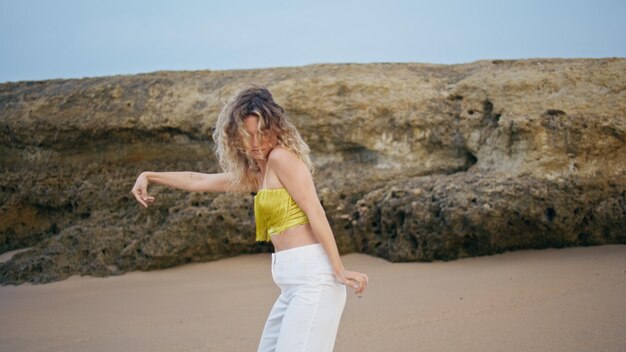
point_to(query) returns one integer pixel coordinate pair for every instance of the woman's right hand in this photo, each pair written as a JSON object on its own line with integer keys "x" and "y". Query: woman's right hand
{"x": 140, "y": 190}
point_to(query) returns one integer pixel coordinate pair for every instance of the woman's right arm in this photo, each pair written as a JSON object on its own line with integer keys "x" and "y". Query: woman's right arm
{"x": 185, "y": 180}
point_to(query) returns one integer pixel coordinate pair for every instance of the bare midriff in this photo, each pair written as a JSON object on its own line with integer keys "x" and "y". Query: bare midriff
{"x": 293, "y": 237}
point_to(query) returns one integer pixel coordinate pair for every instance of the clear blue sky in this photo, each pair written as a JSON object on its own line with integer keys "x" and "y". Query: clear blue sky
{"x": 85, "y": 38}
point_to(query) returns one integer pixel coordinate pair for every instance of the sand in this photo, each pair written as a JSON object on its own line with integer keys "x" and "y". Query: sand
{"x": 571, "y": 299}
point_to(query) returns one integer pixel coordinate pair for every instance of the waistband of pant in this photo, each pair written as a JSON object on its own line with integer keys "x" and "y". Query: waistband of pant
{"x": 299, "y": 252}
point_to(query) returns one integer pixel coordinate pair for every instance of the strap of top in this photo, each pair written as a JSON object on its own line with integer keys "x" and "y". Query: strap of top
{"x": 267, "y": 168}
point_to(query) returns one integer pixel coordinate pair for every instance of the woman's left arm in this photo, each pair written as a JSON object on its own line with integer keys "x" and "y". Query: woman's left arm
{"x": 297, "y": 179}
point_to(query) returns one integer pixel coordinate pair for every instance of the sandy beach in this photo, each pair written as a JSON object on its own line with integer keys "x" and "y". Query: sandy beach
{"x": 571, "y": 299}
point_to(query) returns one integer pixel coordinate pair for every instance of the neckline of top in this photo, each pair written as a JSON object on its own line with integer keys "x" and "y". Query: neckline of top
{"x": 270, "y": 189}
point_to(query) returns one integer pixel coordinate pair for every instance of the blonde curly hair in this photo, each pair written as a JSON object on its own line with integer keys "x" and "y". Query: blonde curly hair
{"x": 230, "y": 135}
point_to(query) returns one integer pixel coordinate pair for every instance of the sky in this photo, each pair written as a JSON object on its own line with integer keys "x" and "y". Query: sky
{"x": 49, "y": 39}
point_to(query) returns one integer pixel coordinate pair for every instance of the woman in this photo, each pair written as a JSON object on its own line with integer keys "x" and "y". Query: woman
{"x": 259, "y": 150}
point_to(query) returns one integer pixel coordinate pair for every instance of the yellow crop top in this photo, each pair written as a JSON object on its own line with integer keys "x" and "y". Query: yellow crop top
{"x": 275, "y": 211}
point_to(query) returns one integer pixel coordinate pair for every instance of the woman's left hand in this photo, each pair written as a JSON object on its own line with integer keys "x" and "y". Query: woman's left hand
{"x": 354, "y": 279}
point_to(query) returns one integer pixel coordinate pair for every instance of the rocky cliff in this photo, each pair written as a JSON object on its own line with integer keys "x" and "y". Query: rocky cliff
{"x": 416, "y": 162}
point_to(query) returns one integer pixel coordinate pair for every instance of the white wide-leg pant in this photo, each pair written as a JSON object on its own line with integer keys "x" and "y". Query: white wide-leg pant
{"x": 306, "y": 315}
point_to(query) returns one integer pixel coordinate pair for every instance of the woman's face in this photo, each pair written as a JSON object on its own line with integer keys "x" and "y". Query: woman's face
{"x": 256, "y": 147}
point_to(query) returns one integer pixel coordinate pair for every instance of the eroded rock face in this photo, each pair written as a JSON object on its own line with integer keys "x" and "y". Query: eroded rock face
{"x": 470, "y": 214}
{"x": 415, "y": 162}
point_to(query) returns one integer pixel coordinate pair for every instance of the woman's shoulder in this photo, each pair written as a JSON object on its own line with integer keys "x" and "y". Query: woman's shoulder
{"x": 287, "y": 165}
{"x": 280, "y": 154}
{"x": 281, "y": 158}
